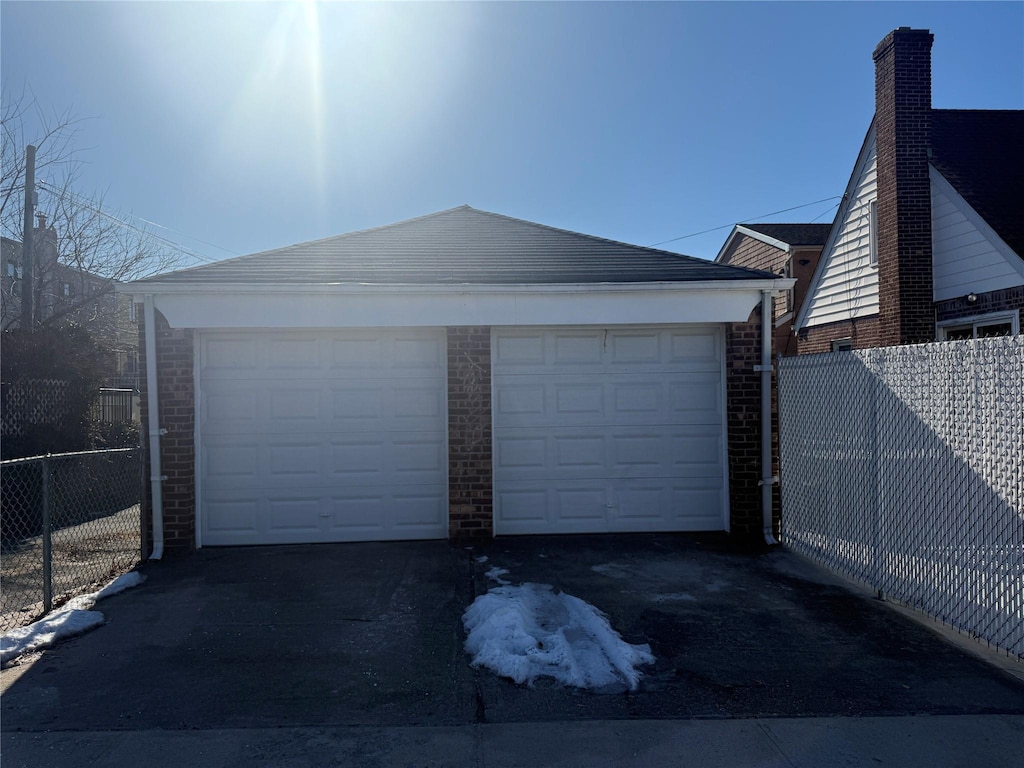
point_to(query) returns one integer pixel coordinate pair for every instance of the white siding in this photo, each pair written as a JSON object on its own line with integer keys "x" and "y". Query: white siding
{"x": 968, "y": 256}
{"x": 847, "y": 285}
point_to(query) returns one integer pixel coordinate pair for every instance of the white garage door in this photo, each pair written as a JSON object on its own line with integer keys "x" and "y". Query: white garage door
{"x": 314, "y": 437}
{"x": 602, "y": 430}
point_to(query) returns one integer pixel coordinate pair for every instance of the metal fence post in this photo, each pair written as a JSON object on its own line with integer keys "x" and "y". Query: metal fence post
{"x": 47, "y": 542}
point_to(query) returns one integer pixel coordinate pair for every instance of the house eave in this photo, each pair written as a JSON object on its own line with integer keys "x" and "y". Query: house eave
{"x": 156, "y": 287}
{"x": 351, "y": 305}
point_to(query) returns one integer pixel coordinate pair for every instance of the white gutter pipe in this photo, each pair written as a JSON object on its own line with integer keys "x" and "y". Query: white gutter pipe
{"x": 155, "y": 432}
{"x": 767, "y": 478}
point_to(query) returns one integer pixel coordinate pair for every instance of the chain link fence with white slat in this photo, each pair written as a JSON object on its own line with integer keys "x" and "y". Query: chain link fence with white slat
{"x": 902, "y": 469}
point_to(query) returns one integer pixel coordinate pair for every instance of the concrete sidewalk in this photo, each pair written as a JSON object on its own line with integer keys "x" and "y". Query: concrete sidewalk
{"x": 992, "y": 741}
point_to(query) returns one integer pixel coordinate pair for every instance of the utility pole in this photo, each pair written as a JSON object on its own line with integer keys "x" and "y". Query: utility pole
{"x": 27, "y": 262}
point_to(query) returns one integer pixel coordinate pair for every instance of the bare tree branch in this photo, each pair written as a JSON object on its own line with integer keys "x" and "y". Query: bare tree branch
{"x": 86, "y": 247}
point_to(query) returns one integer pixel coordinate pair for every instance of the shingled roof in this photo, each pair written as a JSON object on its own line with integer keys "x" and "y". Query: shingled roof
{"x": 981, "y": 153}
{"x": 794, "y": 234}
{"x": 459, "y": 246}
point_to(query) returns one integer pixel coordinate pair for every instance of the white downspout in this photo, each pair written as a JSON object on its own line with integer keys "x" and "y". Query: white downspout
{"x": 155, "y": 432}
{"x": 767, "y": 478}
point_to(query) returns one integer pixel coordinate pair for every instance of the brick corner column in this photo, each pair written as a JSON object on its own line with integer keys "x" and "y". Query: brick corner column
{"x": 743, "y": 409}
{"x": 470, "y": 471}
{"x": 175, "y": 368}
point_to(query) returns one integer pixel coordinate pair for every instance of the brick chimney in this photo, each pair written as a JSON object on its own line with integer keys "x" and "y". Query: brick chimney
{"x": 903, "y": 104}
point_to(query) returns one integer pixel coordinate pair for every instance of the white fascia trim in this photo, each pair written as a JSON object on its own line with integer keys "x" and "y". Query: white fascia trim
{"x": 342, "y": 289}
{"x": 727, "y": 243}
{"x": 268, "y": 306}
{"x": 844, "y": 209}
{"x": 739, "y": 229}
{"x": 763, "y": 237}
{"x": 1016, "y": 261}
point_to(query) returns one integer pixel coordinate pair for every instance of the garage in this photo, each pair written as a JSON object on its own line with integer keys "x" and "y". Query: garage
{"x": 462, "y": 374}
{"x": 609, "y": 429}
{"x": 321, "y": 436}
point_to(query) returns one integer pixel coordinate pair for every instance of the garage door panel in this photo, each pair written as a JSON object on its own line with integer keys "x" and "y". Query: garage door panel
{"x": 225, "y": 410}
{"x": 293, "y": 407}
{"x": 323, "y": 436}
{"x": 296, "y": 461}
{"x": 581, "y": 452}
{"x": 230, "y": 463}
{"x": 230, "y": 356}
{"x": 523, "y": 506}
{"x": 616, "y": 399}
{"x": 636, "y": 347}
{"x": 694, "y": 348}
{"x": 294, "y": 515}
{"x": 291, "y": 355}
{"x": 610, "y": 452}
{"x": 231, "y": 515}
{"x": 420, "y": 509}
{"x": 615, "y": 430}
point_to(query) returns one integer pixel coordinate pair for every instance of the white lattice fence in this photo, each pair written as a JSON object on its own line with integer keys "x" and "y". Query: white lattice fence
{"x": 902, "y": 468}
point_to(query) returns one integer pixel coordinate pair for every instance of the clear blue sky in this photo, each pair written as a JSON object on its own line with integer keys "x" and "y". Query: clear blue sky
{"x": 254, "y": 126}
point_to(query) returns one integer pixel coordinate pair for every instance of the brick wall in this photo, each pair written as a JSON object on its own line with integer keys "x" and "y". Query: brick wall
{"x": 743, "y": 409}
{"x": 864, "y": 332}
{"x": 903, "y": 128}
{"x": 177, "y": 415}
{"x": 993, "y": 301}
{"x": 470, "y": 475}
{"x": 752, "y": 253}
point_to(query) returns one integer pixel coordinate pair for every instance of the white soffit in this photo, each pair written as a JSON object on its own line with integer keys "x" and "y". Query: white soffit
{"x": 335, "y": 306}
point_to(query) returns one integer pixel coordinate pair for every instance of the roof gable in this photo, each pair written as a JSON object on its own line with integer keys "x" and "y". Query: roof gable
{"x": 794, "y": 234}
{"x": 981, "y": 154}
{"x": 460, "y": 246}
{"x": 781, "y": 236}
{"x": 844, "y": 286}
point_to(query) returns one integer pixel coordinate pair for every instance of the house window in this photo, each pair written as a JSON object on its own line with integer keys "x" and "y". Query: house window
{"x": 980, "y": 327}
{"x": 873, "y": 233}
{"x": 67, "y": 290}
{"x": 133, "y": 312}
{"x": 13, "y": 270}
{"x": 842, "y": 345}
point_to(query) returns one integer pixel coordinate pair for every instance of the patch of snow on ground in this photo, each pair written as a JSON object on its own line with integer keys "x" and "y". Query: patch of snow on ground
{"x": 496, "y": 573}
{"x": 530, "y": 631}
{"x": 482, "y": 559}
{"x": 72, "y": 618}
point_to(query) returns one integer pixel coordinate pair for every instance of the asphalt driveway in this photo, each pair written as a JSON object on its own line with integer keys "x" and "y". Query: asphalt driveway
{"x": 371, "y": 635}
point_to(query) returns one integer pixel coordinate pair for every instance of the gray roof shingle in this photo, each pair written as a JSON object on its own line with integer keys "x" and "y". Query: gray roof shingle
{"x": 459, "y": 246}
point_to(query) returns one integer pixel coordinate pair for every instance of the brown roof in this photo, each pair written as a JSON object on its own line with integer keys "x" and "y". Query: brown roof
{"x": 981, "y": 153}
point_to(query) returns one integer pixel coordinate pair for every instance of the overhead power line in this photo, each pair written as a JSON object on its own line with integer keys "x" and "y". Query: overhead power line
{"x": 87, "y": 203}
{"x": 748, "y": 218}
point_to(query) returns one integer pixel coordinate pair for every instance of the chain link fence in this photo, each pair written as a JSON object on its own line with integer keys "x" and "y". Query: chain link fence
{"x": 902, "y": 469}
{"x": 67, "y": 521}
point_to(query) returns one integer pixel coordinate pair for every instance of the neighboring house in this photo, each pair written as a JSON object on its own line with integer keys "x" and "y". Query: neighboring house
{"x": 928, "y": 241}
{"x": 65, "y": 294}
{"x": 459, "y": 374}
{"x": 789, "y": 250}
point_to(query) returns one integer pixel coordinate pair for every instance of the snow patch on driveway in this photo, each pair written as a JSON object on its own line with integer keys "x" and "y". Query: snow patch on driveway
{"x": 529, "y": 631}
{"x": 72, "y": 618}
